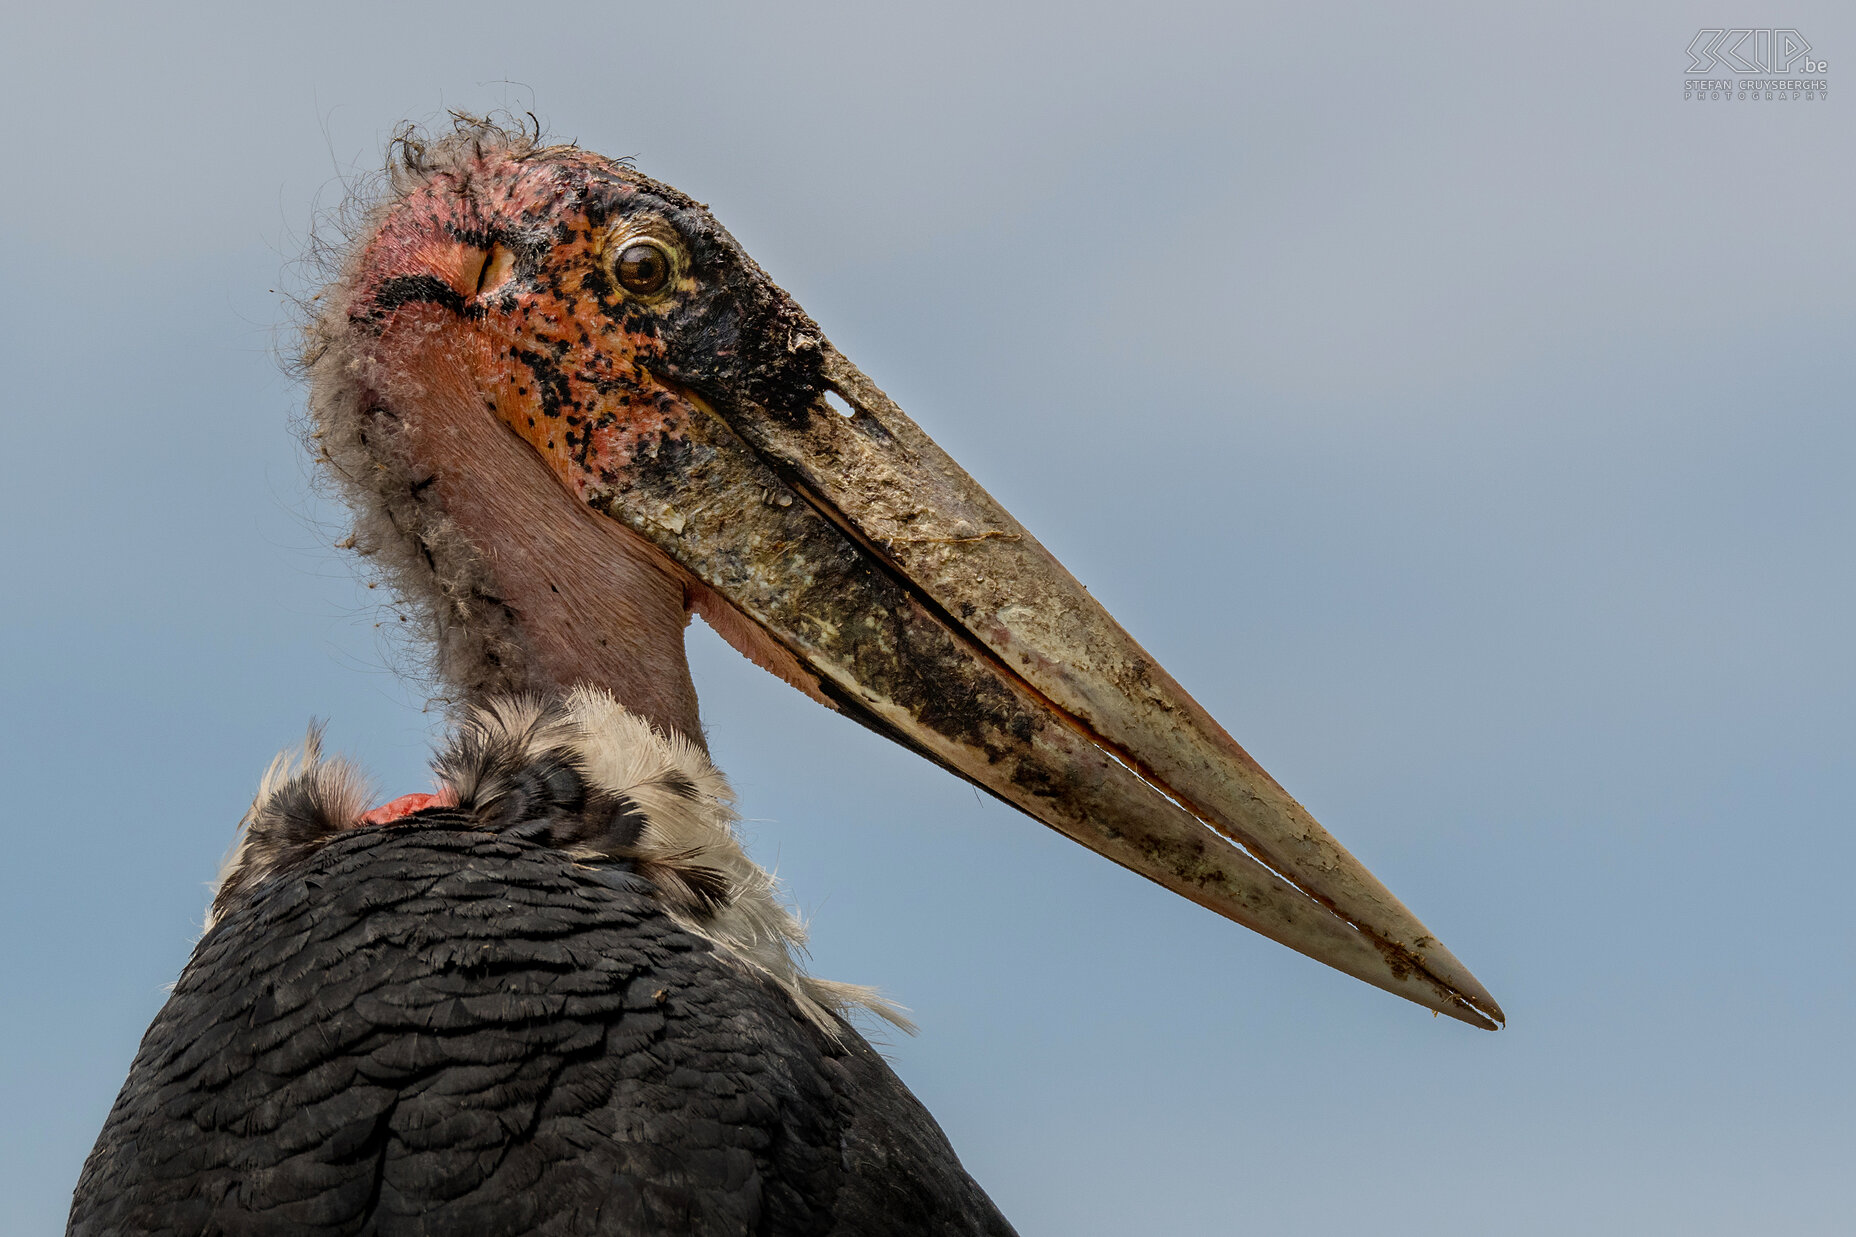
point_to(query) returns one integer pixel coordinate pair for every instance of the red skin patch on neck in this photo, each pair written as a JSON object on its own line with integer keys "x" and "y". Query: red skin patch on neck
{"x": 405, "y": 806}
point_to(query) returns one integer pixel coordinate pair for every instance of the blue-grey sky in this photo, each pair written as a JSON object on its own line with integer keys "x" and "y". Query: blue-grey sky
{"x": 1459, "y": 413}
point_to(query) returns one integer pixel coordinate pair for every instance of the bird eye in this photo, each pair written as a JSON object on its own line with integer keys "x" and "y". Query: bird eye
{"x": 643, "y": 268}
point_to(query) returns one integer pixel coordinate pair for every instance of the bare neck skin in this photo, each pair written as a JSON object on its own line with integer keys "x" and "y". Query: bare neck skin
{"x": 594, "y": 603}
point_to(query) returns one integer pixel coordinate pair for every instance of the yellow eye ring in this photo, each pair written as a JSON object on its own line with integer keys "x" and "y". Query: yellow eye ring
{"x": 643, "y": 267}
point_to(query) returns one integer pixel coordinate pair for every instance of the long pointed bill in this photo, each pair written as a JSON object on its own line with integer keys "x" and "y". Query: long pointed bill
{"x": 931, "y": 615}
{"x": 614, "y": 327}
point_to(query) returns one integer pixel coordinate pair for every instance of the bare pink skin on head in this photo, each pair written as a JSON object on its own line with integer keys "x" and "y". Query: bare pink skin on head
{"x": 515, "y": 374}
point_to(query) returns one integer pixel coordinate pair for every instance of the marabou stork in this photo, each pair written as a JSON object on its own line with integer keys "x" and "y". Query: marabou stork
{"x": 555, "y": 996}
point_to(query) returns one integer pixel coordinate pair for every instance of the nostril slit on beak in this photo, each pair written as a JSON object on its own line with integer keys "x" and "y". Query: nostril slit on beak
{"x": 838, "y": 404}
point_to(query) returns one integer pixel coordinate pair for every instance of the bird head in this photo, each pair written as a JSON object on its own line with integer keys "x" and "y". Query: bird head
{"x": 590, "y": 308}
{"x": 570, "y": 411}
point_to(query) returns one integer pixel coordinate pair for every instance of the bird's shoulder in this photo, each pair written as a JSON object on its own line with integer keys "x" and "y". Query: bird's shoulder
{"x": 431, "y": 1029}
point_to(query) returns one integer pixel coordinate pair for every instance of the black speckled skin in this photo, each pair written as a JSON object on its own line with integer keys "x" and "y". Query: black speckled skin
{"x": 430, "y": 1030}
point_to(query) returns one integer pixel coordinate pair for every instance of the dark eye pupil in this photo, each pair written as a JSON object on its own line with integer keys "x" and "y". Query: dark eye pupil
{"x": 643, "y": 268}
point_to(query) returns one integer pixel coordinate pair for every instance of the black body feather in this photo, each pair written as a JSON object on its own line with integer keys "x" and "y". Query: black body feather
{"x": 433, "y": 1029}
